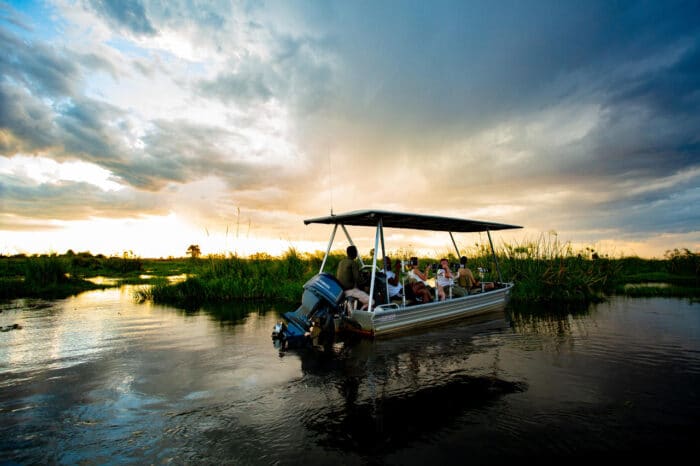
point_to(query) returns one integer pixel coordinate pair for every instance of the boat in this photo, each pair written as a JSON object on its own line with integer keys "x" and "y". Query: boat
{"x": 325, "y": 310}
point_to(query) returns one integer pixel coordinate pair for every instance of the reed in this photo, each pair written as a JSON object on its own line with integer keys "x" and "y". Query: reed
{"x": 46, "y": 270}
{"x": 658, "y": 290}
{"x": 260, "y": 277}
{"x": 547, "y": 271}
{"x": 46, "y": 276}
{"x": 544, "y": 271}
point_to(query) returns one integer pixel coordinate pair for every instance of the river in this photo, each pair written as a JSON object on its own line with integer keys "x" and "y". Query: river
{"x": 100, "y": 379}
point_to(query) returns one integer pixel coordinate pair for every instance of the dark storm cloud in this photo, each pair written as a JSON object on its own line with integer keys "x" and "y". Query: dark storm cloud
{"x": 651, "y": 124}
{"x": 421, "y": 78}
{"x": 464, "y": 66}
{"x": 128, "y": 14}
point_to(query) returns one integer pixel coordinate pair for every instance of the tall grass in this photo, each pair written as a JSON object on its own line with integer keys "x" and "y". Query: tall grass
{"x": 47, "y": 276}
{"x": 45, "y": 271}
{"x": 547, "y": 271}
{"x": 683, "y": 262}
{"x": 544, "y": 271}
{"x": 260, "y": 277}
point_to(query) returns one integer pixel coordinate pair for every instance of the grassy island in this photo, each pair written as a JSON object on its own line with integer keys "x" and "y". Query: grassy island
{"x": 544, "y": 274}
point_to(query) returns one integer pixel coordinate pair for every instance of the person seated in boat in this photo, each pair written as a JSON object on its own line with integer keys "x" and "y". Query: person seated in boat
{"x": 419, "y": 284}
{"x": 445, "y": 279}
{"x": 392, "y": 278}
{"x": 348, "y": 274}
{"x": 466, "y": 279}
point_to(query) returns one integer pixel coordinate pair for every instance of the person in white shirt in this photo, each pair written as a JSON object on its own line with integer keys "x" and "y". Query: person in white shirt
{"x": 392, "y": 279}
{"x": 419, "y": 283}
{"x": 445, "y": 279}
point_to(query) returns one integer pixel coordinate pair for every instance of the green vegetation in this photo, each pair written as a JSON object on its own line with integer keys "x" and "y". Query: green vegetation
{"x": 42, "y": 276}
{"x": 57, "y": 276}
{"x": 548, "y": 272}
{"x": 545, "y": 272}
{"x": 221, "y": 279}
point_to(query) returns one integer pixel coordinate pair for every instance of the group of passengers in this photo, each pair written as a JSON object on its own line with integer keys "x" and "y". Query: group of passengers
{"x": 447, "y": 283}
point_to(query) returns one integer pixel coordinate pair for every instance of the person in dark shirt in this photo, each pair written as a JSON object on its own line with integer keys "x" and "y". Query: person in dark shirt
{"x": 348, "y": 274}
{"x": 466, "y": 279}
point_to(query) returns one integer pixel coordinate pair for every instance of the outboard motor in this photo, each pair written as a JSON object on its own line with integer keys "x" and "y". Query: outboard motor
{"x": 315, "y": 317}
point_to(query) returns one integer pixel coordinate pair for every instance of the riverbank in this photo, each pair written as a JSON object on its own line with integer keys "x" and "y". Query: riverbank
{"x": 543, "y": 275}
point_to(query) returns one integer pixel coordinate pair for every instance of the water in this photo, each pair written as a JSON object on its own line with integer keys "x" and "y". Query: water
{"x": 99, "y": 379}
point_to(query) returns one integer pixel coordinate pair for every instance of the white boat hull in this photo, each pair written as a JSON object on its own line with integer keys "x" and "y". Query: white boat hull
{"x": 388, "y": 319}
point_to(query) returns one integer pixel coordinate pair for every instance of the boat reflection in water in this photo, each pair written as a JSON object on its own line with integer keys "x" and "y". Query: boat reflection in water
{"x": 393, "y": 392}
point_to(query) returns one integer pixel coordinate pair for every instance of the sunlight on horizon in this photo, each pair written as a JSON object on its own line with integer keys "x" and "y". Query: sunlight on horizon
{"x": 171, "y": 235}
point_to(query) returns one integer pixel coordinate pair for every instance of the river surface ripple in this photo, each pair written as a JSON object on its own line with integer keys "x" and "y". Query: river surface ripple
{"x": 100, "y": 379}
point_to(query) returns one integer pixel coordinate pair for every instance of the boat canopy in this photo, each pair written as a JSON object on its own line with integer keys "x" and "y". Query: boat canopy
{"x": 369, "y": 218}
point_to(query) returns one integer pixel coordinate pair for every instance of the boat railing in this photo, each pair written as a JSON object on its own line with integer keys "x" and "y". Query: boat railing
{"x": 388, "y": 307}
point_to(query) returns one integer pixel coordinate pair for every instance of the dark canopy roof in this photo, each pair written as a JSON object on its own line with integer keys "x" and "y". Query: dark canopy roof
{"x": 369, "y": 218}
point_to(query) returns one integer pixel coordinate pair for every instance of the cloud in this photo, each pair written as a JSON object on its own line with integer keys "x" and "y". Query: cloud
{"x": 579, "y": 118}
{"x": 243, "y": 87}
{"x": 128, "y": 14}
{"x": 66, "y": 201}
{"x": 25, "y": 122}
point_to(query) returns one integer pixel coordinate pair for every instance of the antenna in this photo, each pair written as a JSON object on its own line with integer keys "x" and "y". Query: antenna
{"x": 330, "y": 180}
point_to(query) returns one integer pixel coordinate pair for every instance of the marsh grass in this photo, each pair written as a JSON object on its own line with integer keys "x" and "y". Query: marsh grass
{"x": 547, "y": 274}
{"x": 46, "y": 271}
{"x": 40, "y": 276}
{"x": 221, "y": 279}
{"x": 546, "y": 271}
{"x": 663, "y": 289}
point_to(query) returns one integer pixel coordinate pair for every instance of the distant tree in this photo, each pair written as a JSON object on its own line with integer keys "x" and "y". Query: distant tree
{"x": 194, "y": 251}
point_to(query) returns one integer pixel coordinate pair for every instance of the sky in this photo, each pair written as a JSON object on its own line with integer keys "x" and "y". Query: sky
{"x": 146, "y": 126}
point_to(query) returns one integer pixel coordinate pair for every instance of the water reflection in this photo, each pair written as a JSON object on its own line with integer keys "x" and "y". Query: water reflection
{"x": 405, "y": 389}
{"x": 98, "y": 378}
{"x": 391, "y": 421}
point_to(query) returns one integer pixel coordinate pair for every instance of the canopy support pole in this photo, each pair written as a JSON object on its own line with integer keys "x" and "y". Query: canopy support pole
{"x": 328, "y": 249}
{"x": 495, "y": 259}
{"x": 454, "y": 243}
{"x": 386, "y": 282}
{"x": 374, "y": 266}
